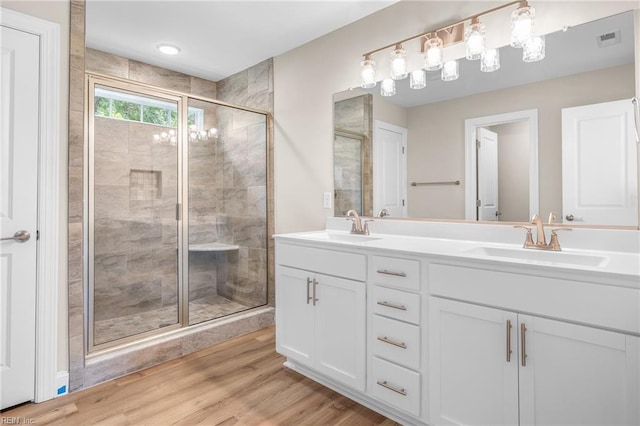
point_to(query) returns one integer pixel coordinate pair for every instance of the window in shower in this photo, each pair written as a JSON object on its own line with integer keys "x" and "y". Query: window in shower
{"x": 177, "y": 211}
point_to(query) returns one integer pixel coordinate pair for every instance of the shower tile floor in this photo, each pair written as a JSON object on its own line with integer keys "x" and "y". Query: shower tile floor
{"x": 203, "y": 309}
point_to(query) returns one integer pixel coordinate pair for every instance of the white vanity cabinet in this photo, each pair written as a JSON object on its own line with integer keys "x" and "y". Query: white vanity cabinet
{"x": 320, "y": 320}
{"x": 493, "y": 366}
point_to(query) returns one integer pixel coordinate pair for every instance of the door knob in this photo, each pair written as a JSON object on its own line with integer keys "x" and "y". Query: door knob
{"x": 20, "y": 236}
{"x": 569, "y": 217}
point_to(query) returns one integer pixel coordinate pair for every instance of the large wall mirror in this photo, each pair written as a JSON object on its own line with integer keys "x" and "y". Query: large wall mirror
{"x": 419, "y": 157}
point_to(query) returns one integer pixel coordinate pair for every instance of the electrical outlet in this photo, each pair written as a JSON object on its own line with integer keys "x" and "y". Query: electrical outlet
{"x": 326, "y": 200}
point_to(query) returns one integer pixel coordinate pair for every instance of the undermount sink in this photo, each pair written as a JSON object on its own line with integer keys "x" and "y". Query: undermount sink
{"x": 348, "y": 238}
{"x": 557, "y": 257}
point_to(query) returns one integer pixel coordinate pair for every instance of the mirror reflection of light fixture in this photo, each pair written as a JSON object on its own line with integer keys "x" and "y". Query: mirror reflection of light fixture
{"x": 388, "y": 87}
{"x": 490, "y": 60}
{"x": 450, "y": 71}
{"x": 417, "y": 79}
{"x": 368, "y": 73}
{"x": 474, "y": 39}
{"x": 169, "y": 137}
{"x": 434, "y": 42}
{"x": 196, "y": 135}
{"x": 398, "y": 63}
{"x": 534, "y": 49}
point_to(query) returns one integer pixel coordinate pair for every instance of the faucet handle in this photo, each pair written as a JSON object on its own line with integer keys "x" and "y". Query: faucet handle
{"x": 552, "y": 217}
{"x": 528, "y": 242}
{"x": 554, "y": 244}
{"x": 365, "y": 226}
{"x": 353, "y": 224}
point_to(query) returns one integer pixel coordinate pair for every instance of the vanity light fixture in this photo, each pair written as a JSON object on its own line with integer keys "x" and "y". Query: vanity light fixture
{"x": 398, "y": 63}
{"x": 168, "y": 49}
{"x": 171, "y": 137}
{"x": 468, "y": 30}
{"x": 474, "y": 39}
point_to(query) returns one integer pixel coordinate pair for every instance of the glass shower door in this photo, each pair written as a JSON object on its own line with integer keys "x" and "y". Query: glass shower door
{"x": 133, "y": 197}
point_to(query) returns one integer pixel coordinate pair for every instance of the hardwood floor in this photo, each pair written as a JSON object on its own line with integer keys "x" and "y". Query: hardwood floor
{"x": 239, "y": 382}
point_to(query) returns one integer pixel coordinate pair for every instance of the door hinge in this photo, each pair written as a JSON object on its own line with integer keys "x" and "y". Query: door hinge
{"x": 478, "y": 144}
{"x": 37, "y": 235}
{"x": 478, "y": 203}
{"x": 403, "y": 149}
{"x": 402, "y": 203}
{"x": 178, "y": 211}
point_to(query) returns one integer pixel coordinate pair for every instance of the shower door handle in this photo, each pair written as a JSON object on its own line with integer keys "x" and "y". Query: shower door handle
{"x": 21, "y": 236}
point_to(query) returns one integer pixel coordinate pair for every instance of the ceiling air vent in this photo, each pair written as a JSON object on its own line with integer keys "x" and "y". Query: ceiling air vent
{"x": 608, "y": 39}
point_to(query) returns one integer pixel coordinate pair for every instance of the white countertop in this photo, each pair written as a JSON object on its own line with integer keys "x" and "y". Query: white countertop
{"x": 604, "y": 264}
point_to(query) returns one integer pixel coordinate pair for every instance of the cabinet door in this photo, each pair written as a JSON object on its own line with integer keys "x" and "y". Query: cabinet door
{"x": 294, "y": 316}
{"x": 340, "y": 330}
{"x": 471, "y": 380}
{"x": 577, "y": 375}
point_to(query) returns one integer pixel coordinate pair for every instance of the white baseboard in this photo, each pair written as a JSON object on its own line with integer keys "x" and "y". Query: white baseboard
{"x": 62, "y": 383}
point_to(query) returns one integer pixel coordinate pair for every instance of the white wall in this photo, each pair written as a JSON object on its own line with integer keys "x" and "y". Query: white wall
{"x": 58, "y": 12}
{"x": 306, "y": 78}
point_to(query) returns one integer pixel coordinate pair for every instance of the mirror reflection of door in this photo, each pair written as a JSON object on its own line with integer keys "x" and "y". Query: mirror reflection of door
{"x": 487, "y": 169}
{"x": 390, "y": 169}
{"x": 599, "y": 167}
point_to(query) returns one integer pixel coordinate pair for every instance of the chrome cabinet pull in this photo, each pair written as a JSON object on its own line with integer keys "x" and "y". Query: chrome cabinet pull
{"x": 509, "y": 351}
{"x": 385, "y": 384}
{"x": 315, "y": 285}
{"x": 392, "y": 305}
{"x": 308, "y": 290}
{"x": 523, "y": 344}
{"x": 21, "y": 236}
{"x": 395, "y": 274}
{"x": 392, "y": 342}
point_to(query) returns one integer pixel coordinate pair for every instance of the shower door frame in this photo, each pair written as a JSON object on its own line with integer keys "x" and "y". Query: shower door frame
{"x": 182, "y": 206}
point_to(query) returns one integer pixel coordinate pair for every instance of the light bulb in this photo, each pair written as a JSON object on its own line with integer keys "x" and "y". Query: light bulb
{"x": 490, "y": 60}
{"x": 417, "y": 79}
{"x": 156, "y": 138}
{"x": 522, "y": 25}
{"x": 534, "y": 49}
{"x": 433, "y": 57}
{"x": 398, "y": 63}
{"x": 168, "y": 49}
{"x": 450, "y": 71}
{"x": 388, "y": 87}
{"x": 172, "y": 132}
{"x": 474, "y": 39}
{"x": 164, "y": 135}
{"x": 368, "y": 74}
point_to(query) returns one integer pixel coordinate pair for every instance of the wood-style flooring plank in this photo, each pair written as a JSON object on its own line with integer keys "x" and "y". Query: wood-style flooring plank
{"x": 239, "y": 382}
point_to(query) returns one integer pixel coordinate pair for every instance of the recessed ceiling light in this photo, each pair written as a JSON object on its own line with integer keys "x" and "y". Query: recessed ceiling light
{"x": 168, "y": 49}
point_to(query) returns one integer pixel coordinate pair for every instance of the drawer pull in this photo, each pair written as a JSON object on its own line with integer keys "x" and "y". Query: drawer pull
{"x": 395, "y": 274}
{"x": 384, "y": 384}
{"x": 392, "y": 342}
{"x": 392, "y": 305}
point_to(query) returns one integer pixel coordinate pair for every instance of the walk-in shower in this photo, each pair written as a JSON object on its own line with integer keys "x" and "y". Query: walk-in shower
{"x": 177, "y": 213}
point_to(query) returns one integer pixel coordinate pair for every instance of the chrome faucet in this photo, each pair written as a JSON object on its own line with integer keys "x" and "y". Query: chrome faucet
{"x": 541, "y": 243}
{"x": 357, "y": 226}
{"x": 383, "y": 213}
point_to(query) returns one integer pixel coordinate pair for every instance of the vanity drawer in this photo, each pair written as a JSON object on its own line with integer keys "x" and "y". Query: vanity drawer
{"x": 330, "y": 262}
{"x": 396, "y": 304}
{"x": 395, "y": 385}
{"x": 396, "y": 272}
{"x": 396, "y": 341}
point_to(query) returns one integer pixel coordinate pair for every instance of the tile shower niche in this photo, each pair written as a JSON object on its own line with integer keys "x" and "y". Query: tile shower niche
{"x": 177, "y": 211}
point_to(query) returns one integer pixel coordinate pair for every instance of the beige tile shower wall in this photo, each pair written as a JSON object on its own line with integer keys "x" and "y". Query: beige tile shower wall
{"x": 248, "y": 181}
{"x": 436, "y": 146}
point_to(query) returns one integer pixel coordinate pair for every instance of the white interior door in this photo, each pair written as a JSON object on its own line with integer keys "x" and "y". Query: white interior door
{"x": 18, "y": 212}
{"x": 599, "y": 164}
{"x": 487, "y": 147}
{"x": 390, "y": 169}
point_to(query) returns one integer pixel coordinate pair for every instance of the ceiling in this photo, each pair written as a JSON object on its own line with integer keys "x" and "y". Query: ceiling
{"x": 217, "y": 38}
